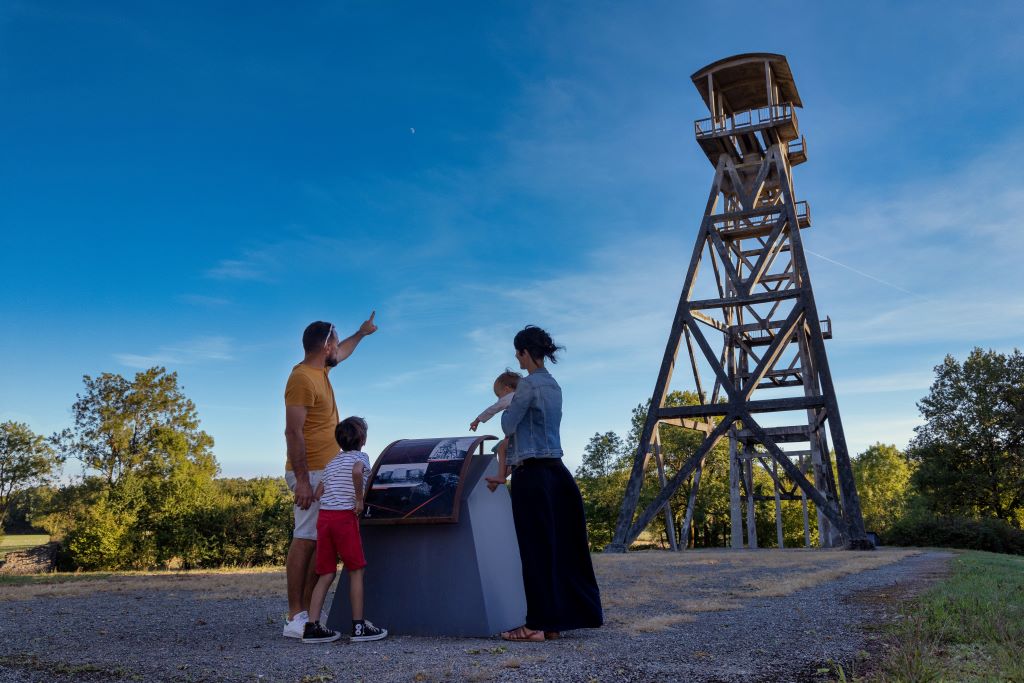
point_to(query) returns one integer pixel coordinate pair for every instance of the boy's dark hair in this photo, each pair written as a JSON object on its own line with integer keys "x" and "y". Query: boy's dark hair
{"x": 509, "y": 378}
{"x": 315, "y": 335}
{"x": 350, "y": 433}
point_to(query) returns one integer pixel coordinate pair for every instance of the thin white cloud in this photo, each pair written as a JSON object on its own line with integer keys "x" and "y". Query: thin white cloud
{"x": 253, "y": 267}
{"x": 299, "y": 250}
{"x": 624, "y": 296}
{"x": 952, "y": 321}
{"x": 414, "y": 376}
{"x": 191, "y": 352}
{"x": 203, "y": 300}
{"x": 951, "y": 243}
{"x": 863, "y": 274}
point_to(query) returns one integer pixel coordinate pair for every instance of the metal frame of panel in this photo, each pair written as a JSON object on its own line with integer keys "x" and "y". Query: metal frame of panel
{"x": 476, "y": 445}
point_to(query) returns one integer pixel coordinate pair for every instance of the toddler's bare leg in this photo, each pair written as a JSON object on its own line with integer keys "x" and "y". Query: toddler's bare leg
{"x": 502, "y": 451}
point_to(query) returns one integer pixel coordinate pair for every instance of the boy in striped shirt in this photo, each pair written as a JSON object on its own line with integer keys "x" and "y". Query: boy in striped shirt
{"x": 341, "y": 495}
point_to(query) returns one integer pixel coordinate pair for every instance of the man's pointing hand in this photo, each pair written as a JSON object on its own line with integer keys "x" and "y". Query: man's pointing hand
{"x": 368, "y": 327}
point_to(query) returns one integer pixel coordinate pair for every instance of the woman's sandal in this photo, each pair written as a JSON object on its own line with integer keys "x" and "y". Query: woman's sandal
{"x": 524, "y": 634}
{"x": 552, "y": 635}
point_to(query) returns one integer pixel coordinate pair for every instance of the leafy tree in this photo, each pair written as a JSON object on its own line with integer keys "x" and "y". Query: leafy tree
{"x": 600, "y": 455}
{"x": 106, "y": 534}
{"x": 26, "y": 507}
{"x": 59, "y": 510}
{"x": 26, "y": 459}
{"x": 710, "y": 524}
{"x": 150, "y": 497}
{"x": 602, "y": 480}
{"x": 970, "y": 451}
{"x": 605, "y": 470}
{"x": 155, "y": 478}
{"x": 882, "y": 475}
{"x": 252, "y": 524}
{"x": 186, "y": 521}
{"x": 122, "y": 425}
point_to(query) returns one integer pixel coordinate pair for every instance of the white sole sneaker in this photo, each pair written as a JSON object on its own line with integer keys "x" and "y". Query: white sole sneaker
{"x": 294, "y": 628}
{"x": 376, "y": 636}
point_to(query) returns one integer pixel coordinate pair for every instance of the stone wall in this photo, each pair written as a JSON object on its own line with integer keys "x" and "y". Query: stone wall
{"x": 38, "y": 560}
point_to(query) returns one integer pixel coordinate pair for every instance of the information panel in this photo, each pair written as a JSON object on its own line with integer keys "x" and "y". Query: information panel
{"x": 420, "y": 480}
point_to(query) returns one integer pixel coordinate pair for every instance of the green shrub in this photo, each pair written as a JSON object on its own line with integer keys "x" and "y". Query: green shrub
{"x": 104, "y": 538}
{"x": 922, "y": 529}
{"x": 249, "y": 525}
{"x": 174, "y": 521}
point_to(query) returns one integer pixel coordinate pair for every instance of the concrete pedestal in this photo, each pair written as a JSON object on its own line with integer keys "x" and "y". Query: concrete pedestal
{"x": 456, "y": 579}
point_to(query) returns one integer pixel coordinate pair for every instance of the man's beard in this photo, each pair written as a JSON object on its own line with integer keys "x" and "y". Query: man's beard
{"x": 331, "y": 361}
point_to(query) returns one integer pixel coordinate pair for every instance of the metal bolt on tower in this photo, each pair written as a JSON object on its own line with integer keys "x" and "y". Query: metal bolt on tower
{"x": 750, "y": 325}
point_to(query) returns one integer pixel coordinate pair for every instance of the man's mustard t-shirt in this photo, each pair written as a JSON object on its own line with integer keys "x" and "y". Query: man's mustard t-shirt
{"x": 311, "y": 388}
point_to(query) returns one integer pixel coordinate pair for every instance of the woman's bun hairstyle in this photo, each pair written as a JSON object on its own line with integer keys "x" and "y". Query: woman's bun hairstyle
{"x": 537, "y": 343}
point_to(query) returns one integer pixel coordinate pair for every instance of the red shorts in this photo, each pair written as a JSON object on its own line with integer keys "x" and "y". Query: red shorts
{"x": 337, "y": 535}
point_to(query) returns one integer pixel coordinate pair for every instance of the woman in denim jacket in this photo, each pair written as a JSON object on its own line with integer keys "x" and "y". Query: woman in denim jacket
{"x": 561, "y": 590}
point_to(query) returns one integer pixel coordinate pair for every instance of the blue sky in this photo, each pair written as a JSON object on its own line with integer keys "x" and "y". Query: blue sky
{"x": 188, "y": 184}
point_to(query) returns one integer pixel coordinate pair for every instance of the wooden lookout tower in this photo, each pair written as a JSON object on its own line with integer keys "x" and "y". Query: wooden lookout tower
{"x": 747, "y": 317}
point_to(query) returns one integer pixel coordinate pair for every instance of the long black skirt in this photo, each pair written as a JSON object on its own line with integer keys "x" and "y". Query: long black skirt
{"x": 561, "y": 590}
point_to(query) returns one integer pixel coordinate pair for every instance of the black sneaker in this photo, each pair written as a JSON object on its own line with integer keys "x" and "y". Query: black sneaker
{"x": 315, "y": 633}
{"x": 367, "y": 631}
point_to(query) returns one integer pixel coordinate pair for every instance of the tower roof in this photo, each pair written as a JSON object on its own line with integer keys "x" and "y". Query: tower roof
{"x": 740, "y": 80}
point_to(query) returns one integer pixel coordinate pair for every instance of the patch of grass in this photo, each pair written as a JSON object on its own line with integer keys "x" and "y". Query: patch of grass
{"x": 487, "y": 650}
{"x": 661, "y": 622}
{"x": 968, "y": 627}
{"x": 324, "y": 675}
{"x": 78, "y": 672}
{"x": 16, "y": 542}
{"x": 207, "y": 583}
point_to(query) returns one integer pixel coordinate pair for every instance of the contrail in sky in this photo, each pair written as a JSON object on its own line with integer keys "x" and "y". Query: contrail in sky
{"x": 863, "y": 274}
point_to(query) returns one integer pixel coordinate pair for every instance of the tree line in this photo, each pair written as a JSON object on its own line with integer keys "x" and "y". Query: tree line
{"x": 959, "y": 482}
{"x": 149, "y": 495}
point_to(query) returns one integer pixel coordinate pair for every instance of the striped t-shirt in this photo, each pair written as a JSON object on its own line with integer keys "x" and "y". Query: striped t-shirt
{"x": 339, "y": 493}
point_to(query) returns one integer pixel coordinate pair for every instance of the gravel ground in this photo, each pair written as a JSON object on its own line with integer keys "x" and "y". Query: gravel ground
{"x": 186, "y": 636}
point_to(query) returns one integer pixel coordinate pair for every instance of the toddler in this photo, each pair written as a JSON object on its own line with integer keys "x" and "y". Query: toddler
{"x": 504, "y": 388}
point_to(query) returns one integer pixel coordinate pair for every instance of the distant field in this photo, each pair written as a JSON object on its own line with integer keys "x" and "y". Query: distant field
{"x": 14, "y": 542}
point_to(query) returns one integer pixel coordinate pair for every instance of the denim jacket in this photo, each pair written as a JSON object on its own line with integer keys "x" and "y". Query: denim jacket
{"x": 533, "y": 418}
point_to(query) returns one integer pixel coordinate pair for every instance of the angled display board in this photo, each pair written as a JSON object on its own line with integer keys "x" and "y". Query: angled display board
{"x": 417, "y": 481}
{"x": 457, "y": 575}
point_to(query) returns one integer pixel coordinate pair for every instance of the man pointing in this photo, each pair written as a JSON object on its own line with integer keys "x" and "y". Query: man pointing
{"x": 311, "y": 414}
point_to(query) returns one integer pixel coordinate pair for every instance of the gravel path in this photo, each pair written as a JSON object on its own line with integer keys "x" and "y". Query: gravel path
{"x": 186, "y": 636}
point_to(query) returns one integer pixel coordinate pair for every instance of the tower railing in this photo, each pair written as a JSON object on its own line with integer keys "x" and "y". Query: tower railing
{"x": 748, "y": 119}
{"x": 760, "y": 218}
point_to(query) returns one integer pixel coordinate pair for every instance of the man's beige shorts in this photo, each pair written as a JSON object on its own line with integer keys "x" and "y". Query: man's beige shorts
{"x": 305, "y": 520}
